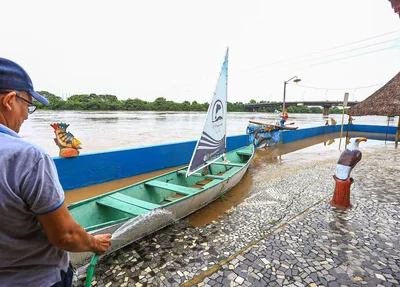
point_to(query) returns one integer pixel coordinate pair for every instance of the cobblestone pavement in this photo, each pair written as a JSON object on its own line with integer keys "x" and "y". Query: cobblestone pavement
{"x": 283, "y": 234}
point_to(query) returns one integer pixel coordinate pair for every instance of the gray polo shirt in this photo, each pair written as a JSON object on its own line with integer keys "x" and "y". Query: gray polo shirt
{"x": 29, "y": 186}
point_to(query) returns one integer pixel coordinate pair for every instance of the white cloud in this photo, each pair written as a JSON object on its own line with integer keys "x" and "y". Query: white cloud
{"x": 174, "y": 49}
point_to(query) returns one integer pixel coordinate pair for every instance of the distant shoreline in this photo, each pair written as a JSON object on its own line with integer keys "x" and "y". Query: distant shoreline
{"x": 93, "y": 102}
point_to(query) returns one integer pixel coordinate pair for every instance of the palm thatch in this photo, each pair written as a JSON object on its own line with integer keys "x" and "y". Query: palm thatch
{"x": 395, "y": 6}
{"x": 384, "y": 102}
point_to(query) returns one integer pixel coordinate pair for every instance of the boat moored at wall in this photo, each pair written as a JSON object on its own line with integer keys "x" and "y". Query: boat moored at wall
{"x": 145, "y": 207}
{"x": 155, "y": 203}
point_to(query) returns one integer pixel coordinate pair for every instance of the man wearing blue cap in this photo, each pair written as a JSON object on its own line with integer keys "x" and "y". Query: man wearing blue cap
{"x": 36, "y": 228}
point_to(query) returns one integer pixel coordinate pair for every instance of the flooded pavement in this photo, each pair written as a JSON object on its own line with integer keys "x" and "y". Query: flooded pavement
{"x": 325, "y": 246}
{"x": 280, "y": 230}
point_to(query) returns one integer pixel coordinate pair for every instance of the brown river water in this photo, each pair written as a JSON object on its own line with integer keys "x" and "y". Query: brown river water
{"x": 102, "y": 131}
{"x": 115, "y": 130}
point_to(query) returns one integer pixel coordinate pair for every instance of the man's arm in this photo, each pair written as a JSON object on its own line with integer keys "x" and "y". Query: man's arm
{"x": 64, "y": 232}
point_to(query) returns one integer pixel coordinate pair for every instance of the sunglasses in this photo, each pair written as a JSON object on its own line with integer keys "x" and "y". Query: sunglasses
{"x": 31, "y": 108}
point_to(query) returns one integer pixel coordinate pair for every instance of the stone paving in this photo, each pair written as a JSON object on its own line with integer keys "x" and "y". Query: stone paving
{"x": 283, "y": 234}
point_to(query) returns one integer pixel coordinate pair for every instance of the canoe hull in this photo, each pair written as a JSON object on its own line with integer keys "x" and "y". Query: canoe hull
{"x": 140, "y": 226}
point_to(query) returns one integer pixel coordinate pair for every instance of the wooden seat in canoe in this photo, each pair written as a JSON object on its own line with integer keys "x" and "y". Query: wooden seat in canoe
{"x": 228, "y": 163}
{"x": 174, "y": 197}
{"x": 173, "y": 187}
{"x": 244, "y": 152}
{"x": 121, "y": 206}
{"x": 134, "y": 201}
{"x": 204, "y": 181}
{"x": 210, "y": 176}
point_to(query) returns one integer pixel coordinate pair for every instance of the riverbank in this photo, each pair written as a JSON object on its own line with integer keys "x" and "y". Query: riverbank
{"x": 283, "y": 232}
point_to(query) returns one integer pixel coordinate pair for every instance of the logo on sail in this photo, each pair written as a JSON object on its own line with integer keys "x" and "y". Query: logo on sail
{"x": 217, "y": 111}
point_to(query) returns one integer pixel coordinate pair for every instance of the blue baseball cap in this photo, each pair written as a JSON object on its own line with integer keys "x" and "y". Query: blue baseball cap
{"x": 14, "y": 77}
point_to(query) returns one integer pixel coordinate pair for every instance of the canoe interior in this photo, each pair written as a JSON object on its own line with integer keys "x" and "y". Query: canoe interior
{"x": 140, "y": 198}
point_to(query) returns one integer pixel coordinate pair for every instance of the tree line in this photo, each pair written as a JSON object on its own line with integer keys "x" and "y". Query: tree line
{"x": 94, "y": 102}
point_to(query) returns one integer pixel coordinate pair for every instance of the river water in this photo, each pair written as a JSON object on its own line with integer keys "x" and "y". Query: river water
{"x": 104, "y": 131}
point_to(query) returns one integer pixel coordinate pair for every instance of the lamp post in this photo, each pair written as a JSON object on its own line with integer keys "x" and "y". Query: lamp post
{"x": 296, "y": 80}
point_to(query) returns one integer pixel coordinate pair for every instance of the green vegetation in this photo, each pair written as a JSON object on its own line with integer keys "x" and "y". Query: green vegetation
{"x": 93, "y": 102}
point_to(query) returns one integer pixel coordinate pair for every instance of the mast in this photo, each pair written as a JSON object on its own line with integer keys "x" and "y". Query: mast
{"x": 226, "y": 98}
{"x": 212, "y": 143}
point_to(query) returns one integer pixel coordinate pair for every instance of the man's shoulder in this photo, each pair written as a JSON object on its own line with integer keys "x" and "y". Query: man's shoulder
{"x": 13, "y": 146}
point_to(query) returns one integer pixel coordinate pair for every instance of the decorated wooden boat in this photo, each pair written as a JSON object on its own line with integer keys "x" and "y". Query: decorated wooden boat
{"x": 263, "y": 135}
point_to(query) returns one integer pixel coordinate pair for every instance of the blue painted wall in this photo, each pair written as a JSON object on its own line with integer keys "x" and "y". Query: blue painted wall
{"x": 95, "y": 168}
{"x": 296, "y": 135}
{"x": 374, "y": 129}
{"x": 291, "y": 136}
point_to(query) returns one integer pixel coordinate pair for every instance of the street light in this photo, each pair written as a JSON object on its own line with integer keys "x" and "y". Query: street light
{"x": 296, "y": 80}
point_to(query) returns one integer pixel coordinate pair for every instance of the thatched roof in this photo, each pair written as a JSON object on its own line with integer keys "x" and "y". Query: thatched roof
{"x": 384, "y": 102}
{"x": 395, "y": 6}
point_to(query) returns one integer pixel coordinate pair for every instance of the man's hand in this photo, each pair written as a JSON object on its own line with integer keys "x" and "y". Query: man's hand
{"x": 103, "y": 242}
{"x": 64, "y": 232}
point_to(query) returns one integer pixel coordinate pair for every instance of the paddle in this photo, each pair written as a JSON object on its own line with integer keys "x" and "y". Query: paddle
{"x": 263, "y": 124}
{"x": 258, "y": 123}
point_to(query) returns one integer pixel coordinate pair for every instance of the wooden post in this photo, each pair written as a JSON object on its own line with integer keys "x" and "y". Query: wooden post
{"x": 341, "y": 130}
{"x": 349, "y": 121}
{"x": 396, "y": 141}
{"x": 346, "y": 97}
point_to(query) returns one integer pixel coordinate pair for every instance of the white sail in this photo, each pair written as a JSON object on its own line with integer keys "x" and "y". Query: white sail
{"x": 212, "y": 142}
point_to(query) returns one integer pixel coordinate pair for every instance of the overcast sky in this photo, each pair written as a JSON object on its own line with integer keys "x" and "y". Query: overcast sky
{"x": 174, "y": 49}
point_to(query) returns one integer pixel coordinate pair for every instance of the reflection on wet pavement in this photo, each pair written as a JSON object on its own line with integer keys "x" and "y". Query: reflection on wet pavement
{"x": 328, "y": 246}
